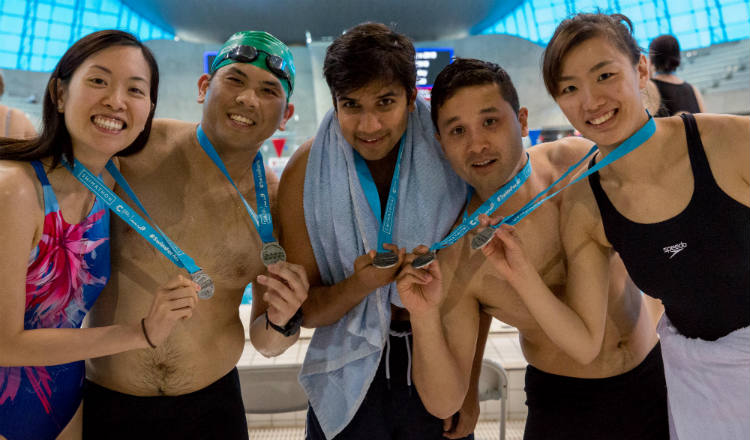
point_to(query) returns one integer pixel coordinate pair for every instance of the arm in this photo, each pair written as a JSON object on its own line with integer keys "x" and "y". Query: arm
{"x": 575, "y": 324}
{"x": 443, "y": 345}
{"x": 699, "y": 98}
{"x": 280, "y": 292}
{"x": 20, "y": 223}
{"x": 467, "y": 416}
{"x": 325, "y": 304}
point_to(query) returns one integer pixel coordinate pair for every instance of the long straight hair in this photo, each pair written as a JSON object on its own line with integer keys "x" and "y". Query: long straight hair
{"x": 54, "y": 141}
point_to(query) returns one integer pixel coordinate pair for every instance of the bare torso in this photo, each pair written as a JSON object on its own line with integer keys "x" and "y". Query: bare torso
{"x": 194, "y": 204}
{"x": 473, "y": 284}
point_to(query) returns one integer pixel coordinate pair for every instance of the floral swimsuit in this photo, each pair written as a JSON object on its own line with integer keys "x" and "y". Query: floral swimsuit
{"x": 66, "y": 272}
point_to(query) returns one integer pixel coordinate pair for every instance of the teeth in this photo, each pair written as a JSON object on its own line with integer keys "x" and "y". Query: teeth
{"x": 481, "y": 164}
{"x": 108, "y": 123}
{"x": 604, "y": 118}
{"x": 241, "y": 119}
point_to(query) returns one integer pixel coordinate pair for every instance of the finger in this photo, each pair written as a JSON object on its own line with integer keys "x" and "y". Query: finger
{"x": 390, "y": 247}
{"x": 421, "y": 249}
{"x": 182, "y": 292}
{"x": 496, "y": 220}
{"x": 447, "y": 424}
{"x": 177, "y": 282}
{"x": 287, "y": 275}
{"x": 273, "y": 284}
{"x": 300, "y": 272}
{"x": 277, "y": 302}
{"x": 371, "y": 254}
{"x": 409, "y": 258}
{"x": 182, "y": 303}
{"x": 183, "y": 314}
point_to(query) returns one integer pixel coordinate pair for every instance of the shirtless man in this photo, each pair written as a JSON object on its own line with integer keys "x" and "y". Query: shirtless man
{"x": 356, "y": 370}
{"x": 13, "y": 122}
{"x": 188, "y": 387}
{"x": 618, "y": 392}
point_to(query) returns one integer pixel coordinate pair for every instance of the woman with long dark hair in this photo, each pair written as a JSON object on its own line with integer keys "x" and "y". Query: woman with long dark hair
{"x": 54, "y": 261}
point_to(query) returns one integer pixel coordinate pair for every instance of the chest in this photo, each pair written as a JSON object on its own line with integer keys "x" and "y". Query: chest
{"x": 206, "y": 218}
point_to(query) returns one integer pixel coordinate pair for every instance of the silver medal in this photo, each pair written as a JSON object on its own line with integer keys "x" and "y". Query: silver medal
{"x": 207, "y": 285}
{"x": 384, "y": 260}
{"x": 482, "y": 238}
{"x": 423, "y": 260}
{"x": 272, "y": 253}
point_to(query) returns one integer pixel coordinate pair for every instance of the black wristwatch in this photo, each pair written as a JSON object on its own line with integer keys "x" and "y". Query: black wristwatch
{"x": 291, "y": 327}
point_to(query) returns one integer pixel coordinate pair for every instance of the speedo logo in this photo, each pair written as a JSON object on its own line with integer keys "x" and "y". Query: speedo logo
{"x": 675, "y": 249}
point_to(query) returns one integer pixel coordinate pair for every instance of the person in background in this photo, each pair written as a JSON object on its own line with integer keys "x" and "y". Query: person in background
{"x": 677, "y": 95}
{"x": 13, "y": 122}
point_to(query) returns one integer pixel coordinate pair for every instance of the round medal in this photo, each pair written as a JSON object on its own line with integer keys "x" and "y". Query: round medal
{"x": 482, "y": 238}
{"x": 423, "y": 260}
{"x": 207, "y": 285}
{"x": 384, "y": 260}
{"x": 272, "y": 253}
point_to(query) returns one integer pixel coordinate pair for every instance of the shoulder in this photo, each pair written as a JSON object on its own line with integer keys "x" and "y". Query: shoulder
{"x": 167, "y": 135}
{"x": 722, "y": 128}
{"x": 18, "y": 187}
{"x": 562, "y": 153}
{"x": 294, "y": 172}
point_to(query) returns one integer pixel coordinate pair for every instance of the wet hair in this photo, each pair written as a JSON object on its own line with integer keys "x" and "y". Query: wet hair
{"x": 466, "y": 72}
{"x": 664, "y": 53}
{"x": 616, "y": 28}
{"x": 54, "y": 141}
{"x": 369, "y": 52}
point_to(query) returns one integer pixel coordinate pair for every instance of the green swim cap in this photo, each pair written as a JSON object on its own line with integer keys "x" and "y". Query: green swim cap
{"x": 260, "y": 49}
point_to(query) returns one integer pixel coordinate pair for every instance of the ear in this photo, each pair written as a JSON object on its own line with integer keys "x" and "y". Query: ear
{"x": 57, "y": 92}
{"x": 413, "y": 100}
{"x": 642, "y": 70}
{"x": 523, "y": 119}
{"x": 287, "y": 114}
{"x": 203, "y": 82}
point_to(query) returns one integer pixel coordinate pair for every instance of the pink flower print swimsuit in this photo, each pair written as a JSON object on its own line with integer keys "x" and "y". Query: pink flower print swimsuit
{"x": 66, "y": 272}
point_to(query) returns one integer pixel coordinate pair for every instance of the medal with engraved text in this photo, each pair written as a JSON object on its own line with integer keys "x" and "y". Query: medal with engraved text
{"x": 482, "y": 238}
{"x": 384, "y": 260}
{"x": 272, "y": 253}
{"x": 207, "y": 285}
{"x": 423, "y": 260}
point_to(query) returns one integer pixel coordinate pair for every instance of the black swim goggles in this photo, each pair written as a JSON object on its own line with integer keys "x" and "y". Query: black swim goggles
{"x": 248, "y": 54}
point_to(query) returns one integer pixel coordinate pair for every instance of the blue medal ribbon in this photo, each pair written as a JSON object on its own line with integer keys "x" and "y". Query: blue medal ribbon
{"x": 153, "y": 235}
{"x": 385, "y": 234}
{"x": 636, "y": 140}
{"x": 262, "y": 221}
{"x": 489, "y": 206}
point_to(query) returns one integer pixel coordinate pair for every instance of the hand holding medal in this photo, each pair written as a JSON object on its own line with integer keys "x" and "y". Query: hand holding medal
{"x": 371, "y": 276}
{"x": 420, "y": 290}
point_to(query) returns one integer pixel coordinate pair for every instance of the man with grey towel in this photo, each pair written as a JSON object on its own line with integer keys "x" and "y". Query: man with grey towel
{"x": 372, "y": 183}
{"x": 616, "y": 392}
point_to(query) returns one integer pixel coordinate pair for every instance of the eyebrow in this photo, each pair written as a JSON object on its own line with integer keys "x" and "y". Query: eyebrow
{"x": 492, "y": 109}
{"x": 597, "y": 66}
{"x": 237, "y": 71}
{"x": 136, "y": 78}
{"x": 388, "y": 94}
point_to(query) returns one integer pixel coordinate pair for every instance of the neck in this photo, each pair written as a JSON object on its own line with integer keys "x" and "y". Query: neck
{"x": 486, "y": 192}
{"x": 382, "y": 169}
{"x": 238, "y": 161}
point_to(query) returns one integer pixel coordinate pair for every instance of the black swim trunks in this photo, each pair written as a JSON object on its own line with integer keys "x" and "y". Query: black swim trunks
{"x": 629, "y": 406}
{"x": 215, "y": 412}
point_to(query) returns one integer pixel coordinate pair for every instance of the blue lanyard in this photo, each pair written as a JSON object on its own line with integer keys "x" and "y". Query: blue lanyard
{"x": 385, "y": 233}
{"x": 636, "y": 140}
{"x": 263, "y": 221}
{"x": 488, "y": 207}
{"x": 155, "y": 236}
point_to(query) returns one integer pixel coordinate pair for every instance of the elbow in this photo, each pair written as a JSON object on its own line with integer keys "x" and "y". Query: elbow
{"x": 267, "y": 348}
{"x": 444, "y": 402}
{"x": 586, "y": 355}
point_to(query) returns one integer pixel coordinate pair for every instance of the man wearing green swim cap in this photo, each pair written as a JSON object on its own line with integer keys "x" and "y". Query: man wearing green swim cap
{"x": 188, "y": 387}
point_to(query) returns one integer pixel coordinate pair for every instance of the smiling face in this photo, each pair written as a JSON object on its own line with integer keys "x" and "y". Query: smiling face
{"x": 106, "y": 102}
{"x": 243, "y": 105}
{"x": 481, "y": 136}
{"x": 599, "y": 91}
{"x": 373, "y": 118}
